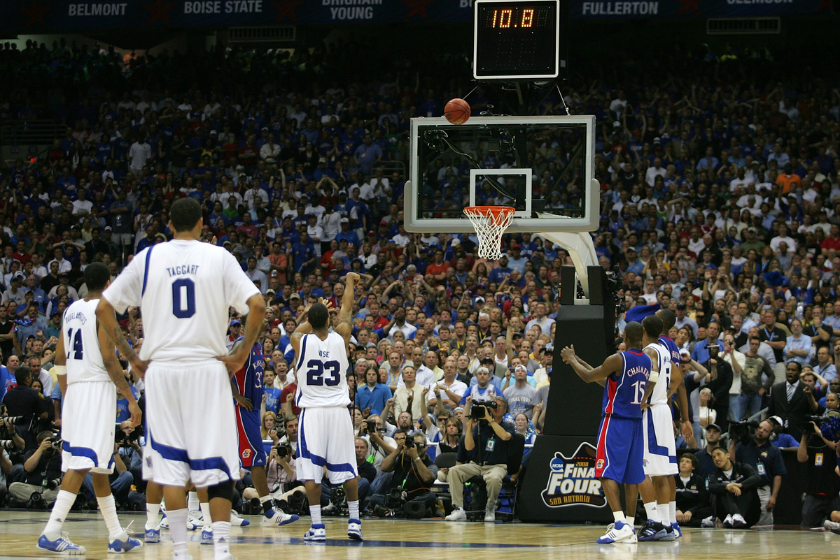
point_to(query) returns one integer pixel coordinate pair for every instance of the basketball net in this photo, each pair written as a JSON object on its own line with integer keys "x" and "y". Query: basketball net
{"x": 490, "y": 223}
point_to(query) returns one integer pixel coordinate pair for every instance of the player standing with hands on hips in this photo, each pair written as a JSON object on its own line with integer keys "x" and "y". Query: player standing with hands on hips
{"x": 626, "y": 377}
{"x": 87, "y": 369}
{"x": 184, "y": 289}
{"x": 325, "y": 430}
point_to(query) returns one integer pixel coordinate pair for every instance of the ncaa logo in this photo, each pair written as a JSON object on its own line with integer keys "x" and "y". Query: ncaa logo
{"x": 246, "y": 453}
{"x": 572, "y": 480}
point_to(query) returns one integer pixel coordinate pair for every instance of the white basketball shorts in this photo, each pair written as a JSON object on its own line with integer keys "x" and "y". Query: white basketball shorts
{"x": 326, "y": 438}
{"x": 88, "y": 423}
{"x": 190, "y": 423}
{"x": 660, "y": 446}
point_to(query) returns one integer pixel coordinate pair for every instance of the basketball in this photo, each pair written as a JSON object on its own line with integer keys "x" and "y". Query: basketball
{"x": 457, "y": 111}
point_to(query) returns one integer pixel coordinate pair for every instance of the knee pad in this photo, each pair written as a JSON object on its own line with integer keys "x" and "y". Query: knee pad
{"x": 221, "y": 490}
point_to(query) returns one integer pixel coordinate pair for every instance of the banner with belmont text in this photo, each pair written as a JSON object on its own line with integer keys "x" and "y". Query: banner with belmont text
{"x": 38, "y": 16}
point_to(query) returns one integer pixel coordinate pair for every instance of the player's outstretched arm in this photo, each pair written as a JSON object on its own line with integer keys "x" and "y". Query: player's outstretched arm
{"x": 107, "y": 319}
{"x": 253, "y": 328}
{"x": 611, "y": 365}
{"x": 115, "y": 372}
{"x": 345, "y": 314}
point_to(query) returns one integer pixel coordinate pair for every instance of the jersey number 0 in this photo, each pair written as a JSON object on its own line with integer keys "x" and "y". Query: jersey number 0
{"x": 183, "y": 298}
{"x": 315, "y": 373}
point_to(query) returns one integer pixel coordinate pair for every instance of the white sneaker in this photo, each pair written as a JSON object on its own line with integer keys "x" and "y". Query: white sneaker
{"x": 728, "y": 522}
{"x": 708, "y": 522}
{"x": 196, "y": 518}
{"x": 237, "y": 521}
{"x": 830, "y": 525}
{"x": 620, "y": 532}
{"x": 490, "y": 517}
{"x": 738, "y": 521}
{"x": 279, "y": 518}
{"x": 458, "y": 514}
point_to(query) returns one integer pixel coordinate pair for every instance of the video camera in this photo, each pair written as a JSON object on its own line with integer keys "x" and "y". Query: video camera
{"x": 743, "y": 431}
{"x": 479, "y": 410}
{"x": 829, "y": 425}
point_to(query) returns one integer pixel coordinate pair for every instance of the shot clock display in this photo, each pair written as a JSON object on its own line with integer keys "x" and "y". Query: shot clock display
{"x": 516, "y": 39}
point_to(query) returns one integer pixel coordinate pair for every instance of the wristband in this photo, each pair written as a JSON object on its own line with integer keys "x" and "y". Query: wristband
{"x": 60, "y": 370}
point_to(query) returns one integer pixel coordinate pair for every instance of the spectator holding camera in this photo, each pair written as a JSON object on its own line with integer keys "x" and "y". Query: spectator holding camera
{"x": 24, "y": 401}
{"x": 483, "y": 452}
{"x": 381, "y": 445}
{"x": 42, "y": 466}
{"x": 734, "y": 491}
{"x": 821, "y": 492}
{"x": 767, "y": 461}
{"x": 413, "y": 472}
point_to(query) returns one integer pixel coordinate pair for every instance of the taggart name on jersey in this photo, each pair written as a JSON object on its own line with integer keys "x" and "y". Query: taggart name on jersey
{"x": 183, "y": 269}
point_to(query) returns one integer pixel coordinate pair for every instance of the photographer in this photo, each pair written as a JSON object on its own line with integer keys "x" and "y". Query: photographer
{"x": 821, "y": 493}
{"x": 279, "y": 475}
{"x": 43, "y": 471}
{"x": 483, "y": 452}
{"x": 719, "y": 380}
{"x": 414, "y": 473}
{"x": 373, "y": 431}
{"x": 766, "y": 459}
{"x": 24, "y": 401}
{"x": 9, "y": 438}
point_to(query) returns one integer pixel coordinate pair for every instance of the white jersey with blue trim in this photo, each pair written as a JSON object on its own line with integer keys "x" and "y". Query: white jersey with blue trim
{"x": 321, "y": 369}
{"x": 184, "y": 289}
{"x": 660, "y": 390}
{"x": 81, "y": 343}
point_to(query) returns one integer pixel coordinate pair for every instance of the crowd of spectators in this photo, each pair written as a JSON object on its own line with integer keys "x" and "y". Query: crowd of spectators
{"x": 719, "y": 200}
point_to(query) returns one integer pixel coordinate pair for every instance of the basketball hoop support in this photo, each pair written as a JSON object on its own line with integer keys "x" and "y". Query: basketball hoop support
{"x": 582, "y": 251}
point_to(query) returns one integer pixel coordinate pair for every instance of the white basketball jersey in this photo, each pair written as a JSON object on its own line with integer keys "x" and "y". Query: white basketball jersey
{"x": 184, "y": 289}
{"x": 660, "y": 390}
{"x": 81, "y": 343}
{"x": 321, "y": 371}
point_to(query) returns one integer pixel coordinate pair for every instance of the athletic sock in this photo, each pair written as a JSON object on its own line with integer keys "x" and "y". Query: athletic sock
{"x": 192, "y": 501}
{"x": 664, "y": 514}
{"x": 63, "y": 502}
{"x": 650, "y": 509}
{"x": 152, "y": 512}
{"x": 619, "y": 516}
{"x": 267, "y": 504}
{"x": 315, "y": 513}
{"x": 221, "y": 539}
{"x": 205, "y": 513}
{"x": 108, "y": 507}
{"x": 631, "y": 521}
{"x": 178, "y": 530}
{"x": 354, "y": 509}
{"x": 672, "y": 510}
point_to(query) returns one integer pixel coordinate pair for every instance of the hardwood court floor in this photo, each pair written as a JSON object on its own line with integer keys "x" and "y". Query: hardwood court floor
{"x": 427, "y": 540}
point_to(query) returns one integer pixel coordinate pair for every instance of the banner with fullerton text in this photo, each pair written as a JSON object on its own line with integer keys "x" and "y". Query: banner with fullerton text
{"x": 37, "y": 16}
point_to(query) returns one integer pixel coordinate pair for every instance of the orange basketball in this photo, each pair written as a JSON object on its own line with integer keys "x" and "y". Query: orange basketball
{"x": 457, "y": 111}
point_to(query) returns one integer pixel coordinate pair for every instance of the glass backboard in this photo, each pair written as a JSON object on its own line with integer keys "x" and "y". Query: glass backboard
{"x": 542, "y": 166}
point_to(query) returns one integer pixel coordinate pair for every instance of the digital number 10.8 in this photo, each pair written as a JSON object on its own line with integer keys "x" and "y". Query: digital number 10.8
{"x": 502, "y": 18}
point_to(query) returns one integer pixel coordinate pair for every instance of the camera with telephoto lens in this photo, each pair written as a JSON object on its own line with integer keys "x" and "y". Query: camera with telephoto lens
{"x": 829, "y": 425}
{"x": 52, "y": 484}
{"x": 371, "y": 425}
{"x": 282, "y": 451}
{"x": 743, "y": 431}
{"x": 56, "y": 444}
{"x": 125, "y": 440}
{"x": 395, "y": 499}
{"x": 409, "y": 443}
{"x": 479, "y": 410}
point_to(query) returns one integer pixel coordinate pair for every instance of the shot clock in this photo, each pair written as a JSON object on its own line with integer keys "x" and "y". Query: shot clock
{"x": 516, "y": 39}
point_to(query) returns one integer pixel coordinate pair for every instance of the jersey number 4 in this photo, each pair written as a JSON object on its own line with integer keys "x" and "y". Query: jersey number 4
{"x": 76, "y": 340}
{"x": 183, "y": 298}
{"x": 315, "y": 375}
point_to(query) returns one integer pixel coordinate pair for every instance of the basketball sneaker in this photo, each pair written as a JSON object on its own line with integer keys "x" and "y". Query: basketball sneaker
{"x": 124, "y": 543}
{"x": 677, "y": 530}
{"x": 207, "y": 536}
{"x": 727, "y": 522}
{"x": 354, "y": 530}
{"x": 316, "y": 533}
{"x": 458, "y": 514}
{"x": 620, "y": 532}
{"x": 61, "y": 545}
{"x": 650, "y": 530}
{"x": 236, "y": 521}
{"x": 738, "y": 521}
{"x": 152, "y": 535}
{"x": 278, "y": 519}
{"x": 832, "y": 526}
{"x": 164, "y": 523}
{"x": 666, "y": 534}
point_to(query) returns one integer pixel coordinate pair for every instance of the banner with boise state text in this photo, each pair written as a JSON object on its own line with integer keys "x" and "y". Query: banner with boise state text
{"x": 32, "y": 16}
{"x": 37, "y": 16}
